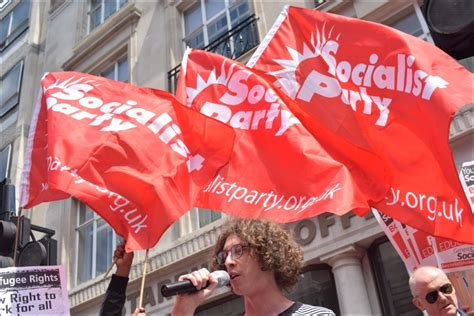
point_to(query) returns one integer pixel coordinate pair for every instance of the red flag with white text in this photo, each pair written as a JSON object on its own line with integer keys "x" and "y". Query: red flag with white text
{"x": 385, "y": 91}
{"x": 278, "y": 170}
{"x": 135, "y": 155}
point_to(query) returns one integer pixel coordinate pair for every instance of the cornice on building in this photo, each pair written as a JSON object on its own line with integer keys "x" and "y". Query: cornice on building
{"x": 462, "y": 123}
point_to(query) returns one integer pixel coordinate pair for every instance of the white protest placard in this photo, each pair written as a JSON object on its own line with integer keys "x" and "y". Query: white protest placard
{"x": 394, "y": 234}
{"x": 467, "y": 180}
{"x": 453, "y": 256}
{"x": 37, "y": 290}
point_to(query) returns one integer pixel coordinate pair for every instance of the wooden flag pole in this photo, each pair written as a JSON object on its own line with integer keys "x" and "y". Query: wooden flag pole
{"x": 17, "y": 235}
{"x": 110, "y": 268}
{"x": 142, "y": 288}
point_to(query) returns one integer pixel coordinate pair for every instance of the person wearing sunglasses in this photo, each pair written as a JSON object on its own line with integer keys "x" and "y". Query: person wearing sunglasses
{"x": 433, "y": 292}
{"x": 263, "y": 263}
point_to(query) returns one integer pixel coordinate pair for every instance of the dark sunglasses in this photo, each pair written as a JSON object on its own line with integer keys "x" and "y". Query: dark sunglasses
{"x": 236, "y": 251}
{"x": 432, "y": 296}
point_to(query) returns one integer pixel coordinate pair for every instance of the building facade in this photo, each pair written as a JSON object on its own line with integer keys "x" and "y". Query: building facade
{"x": 350, "y": 266}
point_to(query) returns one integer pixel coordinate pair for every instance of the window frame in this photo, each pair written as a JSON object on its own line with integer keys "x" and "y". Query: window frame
{"x": 119, "y": 4}
{"x": 228, "y": 6}
{"x": 115, "y": 65}
{"x": 6, "y": 110}
{"x": 13, "y": 34}
{"x": 81, "y": 227}
{"x": 204, "y": 212}
{"x": 8, "y": 149}
{"x": 414, "y": 9}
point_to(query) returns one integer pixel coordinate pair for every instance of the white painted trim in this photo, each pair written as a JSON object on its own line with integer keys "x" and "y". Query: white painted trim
{"x": 25, "y": 180}
{"x": 266, "y": 40}
{"x": 184, "y": 62}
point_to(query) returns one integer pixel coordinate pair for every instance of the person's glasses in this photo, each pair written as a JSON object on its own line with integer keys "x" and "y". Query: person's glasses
{"x": 432, "y": 296}
{"x": 236, "y": 251}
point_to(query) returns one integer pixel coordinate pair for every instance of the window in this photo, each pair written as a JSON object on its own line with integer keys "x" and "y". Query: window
{"x": 96, "y": 243}
{"x": 4, "y": 4}
{"x": 205, "y": 21}
{"x": 5, "y": 156}
{"x": 413, "y": 24}
{"x": 391, "y": 277}
{"x": 207, "y": 216}
{"x": 100, "y": 10}
{"x": 14, "y": 23}
{"x": 317, "y": 287}
{"x": 118, "y": 70}
{"x": 10, "y": 86}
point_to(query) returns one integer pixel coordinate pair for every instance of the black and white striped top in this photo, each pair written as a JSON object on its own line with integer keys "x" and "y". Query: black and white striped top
{"x": 299, "y": 309}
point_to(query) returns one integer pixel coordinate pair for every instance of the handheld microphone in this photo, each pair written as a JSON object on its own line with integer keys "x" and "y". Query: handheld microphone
{"x": 187, "y": 286}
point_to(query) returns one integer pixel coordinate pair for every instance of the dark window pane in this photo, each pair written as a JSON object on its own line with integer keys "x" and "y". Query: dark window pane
{"x": 84, "y": 261}
{"x": 95, "y": 18}
{"x": 104, "y": 247}
{"x": 216, "y": 28}
{"x": 213, "y": 7}
{"x": 196, "y": 41}
{"x": 409, "y": 24}
{"x": 123, "y": 69}
{"x": 392, "y": 281}
{"x": 207, "y": 216}
{"x": 239, "y": 13}
{"x": 10, "y": 89}
{"x": 110, "y": 6}
{"x": 317, "y": 287}
{"x": 109, "y": 73}
{"x": 4, "y": 23}
{"x": 20, "y": 14}
{"x": 85, "y": 214}
{"x": 95, "y": 4}
{"x": 192, "y": 18}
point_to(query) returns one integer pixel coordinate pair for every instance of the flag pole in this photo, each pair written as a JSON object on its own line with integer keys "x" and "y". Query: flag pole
{"x": 17, "y": 236}
{"x": 110, "y": 268}
{"x": 143, "y": 279}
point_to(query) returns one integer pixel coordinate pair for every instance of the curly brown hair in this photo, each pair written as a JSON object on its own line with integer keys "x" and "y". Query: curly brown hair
{"x": 274, "y": 247}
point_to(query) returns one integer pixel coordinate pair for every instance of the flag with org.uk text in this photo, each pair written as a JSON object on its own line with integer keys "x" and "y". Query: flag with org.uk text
{"x": 135, "y": 155}
{"x": 278, "y": 170}
{"x": 385, "y": 91}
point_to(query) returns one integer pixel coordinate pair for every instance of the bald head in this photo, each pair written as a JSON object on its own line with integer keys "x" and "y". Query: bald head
{"x": 432, "y": 291}
{"x": 422, "y": 276}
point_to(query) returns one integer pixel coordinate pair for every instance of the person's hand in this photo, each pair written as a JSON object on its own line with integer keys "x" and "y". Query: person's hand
{"x": 139, "y": 311}
{"x": 186, "y": 304}
{"x": 123, "y": 261}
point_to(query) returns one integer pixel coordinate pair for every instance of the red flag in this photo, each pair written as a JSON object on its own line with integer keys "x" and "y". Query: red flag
{"x": 134, "y": 155}
{"x": 385, "y": 91}
{"x": 278, "y": 170}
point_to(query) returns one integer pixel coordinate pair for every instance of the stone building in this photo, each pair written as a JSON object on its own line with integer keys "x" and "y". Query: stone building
{"x": 349, "y": 265}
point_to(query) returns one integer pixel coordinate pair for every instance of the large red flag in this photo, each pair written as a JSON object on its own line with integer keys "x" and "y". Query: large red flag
{"x": 385, "y": 91}
{"x": 135, "y": 155}
{"x": 278, "y": 170}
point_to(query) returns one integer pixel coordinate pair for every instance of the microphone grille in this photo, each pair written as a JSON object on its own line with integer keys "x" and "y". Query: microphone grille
{"x": 222, "y": 277}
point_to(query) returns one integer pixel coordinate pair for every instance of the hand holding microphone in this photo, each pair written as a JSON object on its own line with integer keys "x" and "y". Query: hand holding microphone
{"x": 196, "y": 281}
{"x": 201, "y": 282}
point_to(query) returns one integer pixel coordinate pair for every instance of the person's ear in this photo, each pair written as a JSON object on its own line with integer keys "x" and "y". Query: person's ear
{"x": 417, "y": 303}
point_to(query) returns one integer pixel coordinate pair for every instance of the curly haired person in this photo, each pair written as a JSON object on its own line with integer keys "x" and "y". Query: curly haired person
{"x": 263, "y": 262}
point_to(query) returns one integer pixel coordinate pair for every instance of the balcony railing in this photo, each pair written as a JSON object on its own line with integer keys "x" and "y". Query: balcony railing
{"x": 232, "y": 44}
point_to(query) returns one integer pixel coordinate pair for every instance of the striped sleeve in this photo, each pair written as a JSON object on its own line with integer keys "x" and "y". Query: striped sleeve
{"x": 313, "y": 310}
